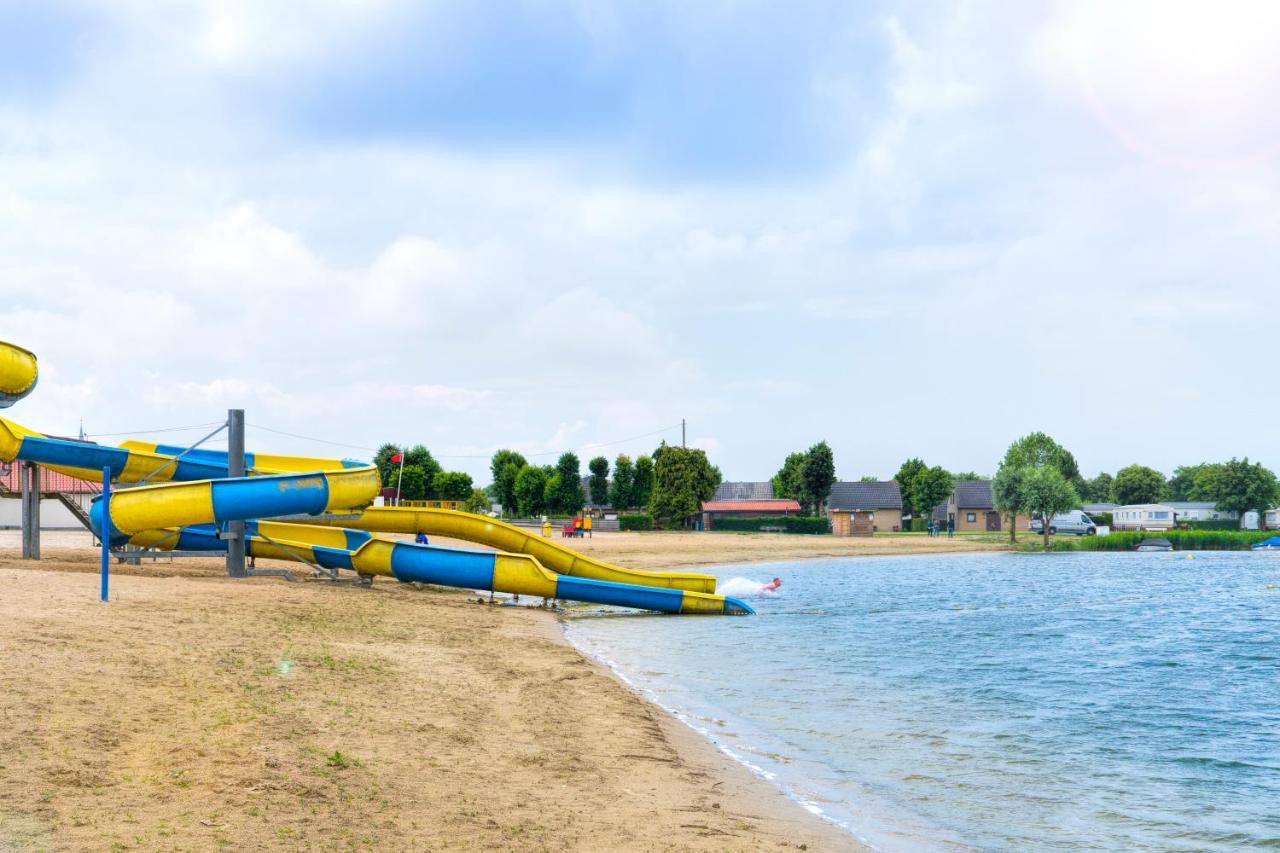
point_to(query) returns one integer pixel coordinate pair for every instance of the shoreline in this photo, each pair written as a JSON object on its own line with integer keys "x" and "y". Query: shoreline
{"x": 695, "y": 739}
{"x": 267, "y": 714}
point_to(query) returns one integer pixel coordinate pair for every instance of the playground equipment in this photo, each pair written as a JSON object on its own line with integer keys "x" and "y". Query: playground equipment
{"x": 195, "y": 505}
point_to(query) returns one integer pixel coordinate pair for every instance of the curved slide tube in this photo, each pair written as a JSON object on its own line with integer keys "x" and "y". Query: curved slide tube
{"x": 517, "y": 574}
{"x": 18, "y": 373}
{"x": 511, "y": 539}
{"x": 133, "y": 461}
{"x": 178, "y": 504}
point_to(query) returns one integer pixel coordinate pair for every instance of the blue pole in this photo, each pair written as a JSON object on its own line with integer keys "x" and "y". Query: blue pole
{"x": 105, "y": 533}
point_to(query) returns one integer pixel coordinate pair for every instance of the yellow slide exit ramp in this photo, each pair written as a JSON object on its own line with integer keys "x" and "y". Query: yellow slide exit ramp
{"x": 501, "y": 536}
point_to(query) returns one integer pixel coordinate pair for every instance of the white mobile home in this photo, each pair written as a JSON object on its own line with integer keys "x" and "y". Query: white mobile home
{"x": 1202, "y": 511}
{"x": 1144, "y": 517}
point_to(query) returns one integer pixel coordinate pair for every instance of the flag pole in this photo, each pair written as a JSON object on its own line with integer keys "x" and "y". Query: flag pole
{"x": 400, "y": 479}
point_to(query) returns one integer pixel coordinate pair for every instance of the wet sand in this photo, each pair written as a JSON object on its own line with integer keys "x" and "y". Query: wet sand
{"x": 196, "y": 712}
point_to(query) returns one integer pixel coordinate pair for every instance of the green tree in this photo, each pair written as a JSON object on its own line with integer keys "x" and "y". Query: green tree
{"x": 1006, "y": 493}
{"x": 421, "y": 457}
{"x": 531, "y": 484}
{"x": 817, "y": 474}
{"x": 868, "y": 478}
{"x": 452, "y": 485}
{"x": 568, "y": 491}
{"x": 624, "y": 483}
{"x": 1238, "y": 486}
{"x": 386, "y": 468}
{"x": 477, "y": 502}
{"x": 968, "y": 475}
{"x": 1191, "y": 482}
{"x": 642, "y": 488}
{"x": 413, "y": 483}
{"x": 683, "y": 479}
{"x": 551, "y": 492}
{"x": 504, "y": 467}
{"x": 1038, "y": 450}
{"x": 1099, "y": 488}
{"x": 930, "y": 487}
{"x": 904, "y": 478}
{"x": 789, "y": 481}
{"x": 1137, "y": 484}
{"x": 1046, "y": 492}
{"x": 599, "y": 482}
{"x": 1035, "y": 450}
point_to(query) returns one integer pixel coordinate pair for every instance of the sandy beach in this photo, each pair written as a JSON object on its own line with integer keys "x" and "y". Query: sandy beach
{"x": 196, "y": 712}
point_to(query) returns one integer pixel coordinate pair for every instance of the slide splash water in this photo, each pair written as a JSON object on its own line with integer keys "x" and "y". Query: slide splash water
{"x": 193, "y": 495}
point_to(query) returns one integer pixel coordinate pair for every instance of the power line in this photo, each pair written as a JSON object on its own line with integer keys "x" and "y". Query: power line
{"x": 464, "y": 456}
{"x": 312, "y": 438}
{"x": 151, "y": 431}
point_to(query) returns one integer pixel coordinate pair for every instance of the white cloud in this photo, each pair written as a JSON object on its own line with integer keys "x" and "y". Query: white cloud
{"x": 990, "y": 256}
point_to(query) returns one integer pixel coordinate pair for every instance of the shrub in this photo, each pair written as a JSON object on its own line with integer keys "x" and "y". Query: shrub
{"x": 786, "y": 524}
{"x": 1182, "y": 540}
{"x": 1102, "y": 519}
{"x": 919, "y": 525}
{"x": 635, "y": 521}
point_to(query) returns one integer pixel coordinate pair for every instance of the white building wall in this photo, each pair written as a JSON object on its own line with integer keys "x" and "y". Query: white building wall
{"x": 53, "y": 515}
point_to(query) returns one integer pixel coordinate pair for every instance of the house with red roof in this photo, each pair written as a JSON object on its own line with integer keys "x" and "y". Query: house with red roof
{"x": 745, "y": 500}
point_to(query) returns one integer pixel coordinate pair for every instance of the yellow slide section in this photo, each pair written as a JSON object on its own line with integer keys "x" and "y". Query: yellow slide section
{"x": 511, "y": 539}
{"x": 18, "y": 373}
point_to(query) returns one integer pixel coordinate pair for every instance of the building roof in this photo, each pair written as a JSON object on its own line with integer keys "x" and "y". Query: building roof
{"x": 939, "y": 512}
{"x": 1099, "y": 507}
{"x": 50, "y": 481}
{"x": 973, "y": 494}
{"x": 773, "y": 505}
{"x": 1192, "y": 504}
{"x": 865, "y": 496}
{"x": 744, "y": 492}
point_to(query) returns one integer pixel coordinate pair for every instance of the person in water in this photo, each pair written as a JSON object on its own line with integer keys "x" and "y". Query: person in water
{"x": 771, "y": 585}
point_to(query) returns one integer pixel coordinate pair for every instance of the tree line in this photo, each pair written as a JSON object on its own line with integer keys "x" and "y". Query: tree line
{"x": 671, "y": 484}
{"x": 1040, "y": 476}
{"x": 419, "y": 477}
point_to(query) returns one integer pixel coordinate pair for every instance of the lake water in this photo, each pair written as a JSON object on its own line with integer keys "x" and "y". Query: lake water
{"x": 992, "y": 702}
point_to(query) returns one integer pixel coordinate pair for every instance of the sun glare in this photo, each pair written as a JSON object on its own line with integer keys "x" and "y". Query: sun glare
{"x": 1191, "y": 83}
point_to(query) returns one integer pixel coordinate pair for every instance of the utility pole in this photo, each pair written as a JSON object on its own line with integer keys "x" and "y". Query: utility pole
{"x": 29, "y": 478}
{"x": 235, "y": 468}
{"x": 682, "y": 444}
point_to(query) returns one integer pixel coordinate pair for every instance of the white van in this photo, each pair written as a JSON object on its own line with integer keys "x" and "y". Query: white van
{"x": 1076, "y": 521}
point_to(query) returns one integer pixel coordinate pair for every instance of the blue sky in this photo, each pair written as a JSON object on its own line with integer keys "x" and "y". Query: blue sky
{"x": 910, "y": 229}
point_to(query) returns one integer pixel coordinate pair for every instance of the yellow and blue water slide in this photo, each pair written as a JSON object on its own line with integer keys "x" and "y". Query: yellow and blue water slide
{"x": 192, "y": 496}
{"x": 453, "y": 524}
{"x": 367, "y": 553}
{"x": 18, "y": 373}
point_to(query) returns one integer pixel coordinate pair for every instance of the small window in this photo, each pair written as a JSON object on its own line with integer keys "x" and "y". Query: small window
{"x": 971, "y": 517}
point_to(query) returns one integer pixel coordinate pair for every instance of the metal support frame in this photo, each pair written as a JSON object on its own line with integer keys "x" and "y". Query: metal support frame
{"x": 235, "y": 468}
{"x": 29, "y": 477}
{"x": 106, "y": 534}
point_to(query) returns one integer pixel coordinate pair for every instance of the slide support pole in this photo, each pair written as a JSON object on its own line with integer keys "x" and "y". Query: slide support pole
{"x": 105, "y": 533}
{"x": 235, "y": 468}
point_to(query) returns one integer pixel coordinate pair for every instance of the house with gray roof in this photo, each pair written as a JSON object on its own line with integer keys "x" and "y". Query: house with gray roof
{"x": 973, "y": 509}
{"x": 863, "y": 508}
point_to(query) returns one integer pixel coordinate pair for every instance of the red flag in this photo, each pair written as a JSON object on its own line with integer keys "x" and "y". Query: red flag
{"x": 398, "y": 457}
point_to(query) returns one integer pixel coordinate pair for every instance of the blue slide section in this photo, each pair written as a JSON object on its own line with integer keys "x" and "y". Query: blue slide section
{"x": 219, "y": 457}
{"x": 95, "y": 457}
